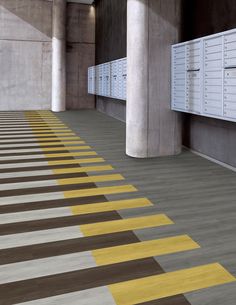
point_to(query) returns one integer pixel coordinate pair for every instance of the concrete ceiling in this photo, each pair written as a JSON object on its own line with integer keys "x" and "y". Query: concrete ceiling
{"x": 81, "y": 1}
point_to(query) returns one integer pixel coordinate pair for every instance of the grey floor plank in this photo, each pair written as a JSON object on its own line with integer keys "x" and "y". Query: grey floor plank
{"x": 197, "y": 194}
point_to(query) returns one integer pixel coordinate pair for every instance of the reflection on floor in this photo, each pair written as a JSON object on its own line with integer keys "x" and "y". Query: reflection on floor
{"x": 75, "y": 231}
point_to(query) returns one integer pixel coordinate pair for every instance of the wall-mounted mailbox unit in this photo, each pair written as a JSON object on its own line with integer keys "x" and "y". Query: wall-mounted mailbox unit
{"x": 91, "y": 80}
{"x": 108, "y": 79}
{"x": 204, "y": 76}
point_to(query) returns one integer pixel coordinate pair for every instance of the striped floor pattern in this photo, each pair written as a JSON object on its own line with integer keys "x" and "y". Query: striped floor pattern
{"x": 63, "y": 242}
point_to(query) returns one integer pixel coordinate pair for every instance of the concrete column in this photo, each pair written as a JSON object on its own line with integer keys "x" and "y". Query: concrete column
{"x": 59, "y": 56}
{"x": 152, "y": 128}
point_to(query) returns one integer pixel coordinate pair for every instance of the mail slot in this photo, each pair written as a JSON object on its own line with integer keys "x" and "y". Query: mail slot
{"x": 229, "y": 73}
{"x": 230, "y": 113}
{"x": 213, "y": 56}
{"x": 193, "y": 66}
{"x": 230, "y": 97}
{"x": 213, "y": 96}
{"x": 193, "y": 82}
{"x": 179, "y": 82}
{"x": 194, "y": 108}
{"x": 216, "y": 89}
{"x": 230, "y": 46}
{"x": 213, "y": 49}
{"x": 230, "y": 53}
{"x": 230, "y": 37}
{"x": 179, "y": 75}
{"x": 179, "y": 99}
{"x": 179, "y": 88}
{"x": 230, "y": 62}
{"x": 193, "y": 74}
{"x": 193, "y": 56}
{"x": 193, "y": 87}
{"x": 212, "y": 103}
{"x": 213, "y": 42}
{"x": 193, "y": 47}
{"x": 213, "y": 82}
{"x": 213, "y": 110}
{"x": 230, "y": 89}
{"x": 179, "y": 49}
{"x": 180, "y": 105}
{"x": 193, "y": 99}
{"x": 230, "y": 82}
{"x": 228, "y": 105}
{"x": 213, "y": 74}
{"x": 213, "y": 65}
{"x": 179, "y": 68}
{"x": 178, "y": 56}
{"x": 179, "y": 93}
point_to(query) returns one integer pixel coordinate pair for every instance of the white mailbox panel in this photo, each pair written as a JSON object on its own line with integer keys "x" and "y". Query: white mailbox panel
{"x": 229, "y": 96}
{"x": 100, "y": 80}
{"x": 115, "y": 79}
{"x": 204, "y": 76}
{"x": 109, "y": 79}
{"x": 179, "y": 78}
{"x": 124, "y": 79}
{"x": 97, "y": 80}
{"x": 212, "y": 65}
{"x": 91, "y": 80}
{"x": 120, "y": 79}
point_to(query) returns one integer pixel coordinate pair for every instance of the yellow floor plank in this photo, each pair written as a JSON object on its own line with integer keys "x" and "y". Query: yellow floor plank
{"x": 110, "y": 206}
{"x": 84, "y": 169}
{"x": 90, "y": 179}
{"x": 125, "y": 225}
{"x": 169, "y": 284}
{"x": 100, "y": 191}
{"x": 144, "y": 249}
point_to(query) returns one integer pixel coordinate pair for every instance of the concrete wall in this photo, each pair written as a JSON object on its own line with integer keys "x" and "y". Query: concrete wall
{"x": 80, "y": 54}
{"x": 212, "y": 137}
{"x": 112, "y": 107}
{"x": 25, "y": 54}
{"x": 111, "y": 26}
